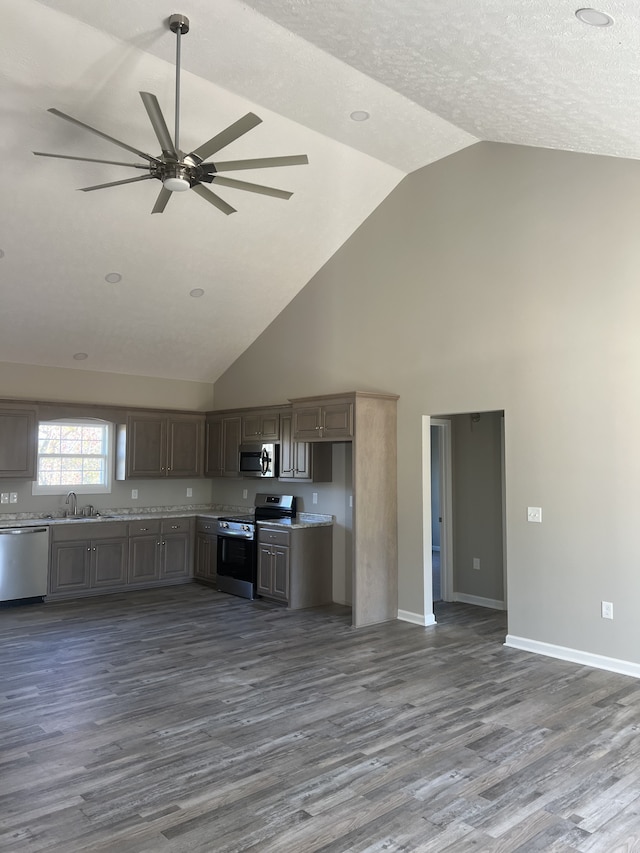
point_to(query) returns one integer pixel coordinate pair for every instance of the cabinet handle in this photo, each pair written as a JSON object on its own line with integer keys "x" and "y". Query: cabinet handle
{"x": 88, "y": 549}
{"x": 143, "y": 529}
{"x": 175, "y": 527}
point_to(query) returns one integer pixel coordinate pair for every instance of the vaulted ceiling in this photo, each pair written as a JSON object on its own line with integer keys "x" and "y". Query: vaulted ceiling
{"x": 434, "y": 78}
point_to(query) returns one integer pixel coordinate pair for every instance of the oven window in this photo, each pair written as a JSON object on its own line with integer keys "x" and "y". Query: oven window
{"x": 236, "y": 558}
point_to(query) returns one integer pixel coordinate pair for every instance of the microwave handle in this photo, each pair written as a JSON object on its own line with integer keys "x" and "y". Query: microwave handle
{"x": 265, "y": 461}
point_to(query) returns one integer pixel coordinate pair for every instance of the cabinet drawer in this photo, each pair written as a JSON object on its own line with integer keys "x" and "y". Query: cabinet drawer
{"x": 207, "y": 526}
{"x": 274, "y": 537}
{"x": 175, "y": 525}
{"x": 150, "y": 527}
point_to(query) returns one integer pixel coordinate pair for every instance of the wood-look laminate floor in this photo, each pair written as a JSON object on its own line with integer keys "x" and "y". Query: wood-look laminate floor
{"x": 186, "y": 720}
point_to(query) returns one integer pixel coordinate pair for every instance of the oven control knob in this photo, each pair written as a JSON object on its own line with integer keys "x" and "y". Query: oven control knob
{"x": 225, "y": 524}
{"x": 245, "y": 527}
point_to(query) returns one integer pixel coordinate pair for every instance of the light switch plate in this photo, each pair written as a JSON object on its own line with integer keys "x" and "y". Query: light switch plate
{"x": 4, "y": 498}
{"x": 189, "y": 492}
{"x": 534, "y": 513}
{"x": 134, "y": 494}
{"x": 13, "y": 497}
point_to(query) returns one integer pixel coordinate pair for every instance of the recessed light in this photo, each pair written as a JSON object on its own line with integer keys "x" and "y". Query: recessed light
{"x": 196, "y": 292}
{"x": 80, "y": 356}
{"x": 360, "y": 115}
{"x": 594, "y": 18}
{"x": 113, "y": 277}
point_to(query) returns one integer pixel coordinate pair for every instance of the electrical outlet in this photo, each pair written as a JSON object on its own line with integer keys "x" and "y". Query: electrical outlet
{"x": 534, "y": 513}
{"x": 607, "y": 610}
{"x": 314, "y": 497}
{"x": 476, "y": 563}
{"x": 4, "y": 498}
{"x": 134, "y": 494}
{"x": 13, "y": 497}
{"x": 244, "y": 494}
{"x": 189, "y": 493}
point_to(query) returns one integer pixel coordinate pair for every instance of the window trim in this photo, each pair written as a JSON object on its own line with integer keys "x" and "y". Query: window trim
{"x": 89, "y": 489}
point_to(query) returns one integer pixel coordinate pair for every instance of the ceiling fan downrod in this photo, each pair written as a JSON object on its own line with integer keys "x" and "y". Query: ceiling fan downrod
{"x": 178, "y": 24}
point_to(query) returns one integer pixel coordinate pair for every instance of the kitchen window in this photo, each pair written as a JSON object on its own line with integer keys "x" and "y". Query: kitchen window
{"x": 74, "y": 455}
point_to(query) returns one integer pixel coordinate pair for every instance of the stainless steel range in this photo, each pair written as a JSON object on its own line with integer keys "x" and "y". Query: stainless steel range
{"x": 237, "y": 543}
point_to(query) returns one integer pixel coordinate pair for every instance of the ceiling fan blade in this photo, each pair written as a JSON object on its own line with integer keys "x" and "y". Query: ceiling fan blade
{"x": 252, "y": 188}
{"x": 92, "y": 160}
{"x": 154, "y": 112}
{"x": 162, "y": 200}
{"x": 104, "y": 135}
{"x": 213, "y": 199}
{"x": 225, "y": 137}
{"x": 115, "y": 183}
{"x": 260, "y": 163}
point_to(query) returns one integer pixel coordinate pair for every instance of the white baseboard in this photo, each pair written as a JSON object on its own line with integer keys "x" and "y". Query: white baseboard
{"x": 623, "y": 667}
{"x": 493, "y": 603}
{"x": 416, "y": 618}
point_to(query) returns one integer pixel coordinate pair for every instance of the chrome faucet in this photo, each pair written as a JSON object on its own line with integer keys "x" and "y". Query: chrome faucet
{"x": 72, "y": 502}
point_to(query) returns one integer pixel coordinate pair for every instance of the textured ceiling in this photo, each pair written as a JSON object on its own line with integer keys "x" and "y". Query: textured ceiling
{"x": 435, "y": 78}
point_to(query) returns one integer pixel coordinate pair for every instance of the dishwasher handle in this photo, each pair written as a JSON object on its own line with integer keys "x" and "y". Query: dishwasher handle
{"x": 21, "y": 530}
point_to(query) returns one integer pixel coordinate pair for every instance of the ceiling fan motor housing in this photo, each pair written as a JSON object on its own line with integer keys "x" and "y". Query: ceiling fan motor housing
{"x": 179, "y": 23}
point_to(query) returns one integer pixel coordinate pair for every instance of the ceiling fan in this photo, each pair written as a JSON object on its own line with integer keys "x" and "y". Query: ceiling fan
{"x": 179, "y": 171}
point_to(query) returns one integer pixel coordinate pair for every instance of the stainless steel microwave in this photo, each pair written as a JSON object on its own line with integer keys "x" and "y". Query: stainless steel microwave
{"x": 259, "y": 460}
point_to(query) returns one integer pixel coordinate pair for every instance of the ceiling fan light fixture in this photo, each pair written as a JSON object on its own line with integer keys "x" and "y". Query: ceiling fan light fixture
{"x": 594, "y": 18}
{"x": 176, "y": 185}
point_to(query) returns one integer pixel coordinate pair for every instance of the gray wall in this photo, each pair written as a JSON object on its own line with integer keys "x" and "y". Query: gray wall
{"x": 500, "y": 278}
{"x": 477, "y": 505}
{"x": 435, "y": 487}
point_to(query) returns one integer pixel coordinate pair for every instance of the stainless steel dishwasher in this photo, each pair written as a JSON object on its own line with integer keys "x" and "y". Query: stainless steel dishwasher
{"x": 24, "y": 553}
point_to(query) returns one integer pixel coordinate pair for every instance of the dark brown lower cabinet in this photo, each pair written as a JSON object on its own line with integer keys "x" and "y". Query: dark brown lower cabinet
{"x": 206, "y": 553}
{"x": 95, "y": 557}
{"x": 144, "y": 553}
{"x": 273, "y": 571}
{"x": 295, "y": 566}
{"x": 176, "y": 549}
{"x": 88, "y": 558}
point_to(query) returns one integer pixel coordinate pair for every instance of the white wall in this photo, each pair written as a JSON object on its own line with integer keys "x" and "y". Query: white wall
{"x": 500, "y": 278}
{"x": 60, "y": 384}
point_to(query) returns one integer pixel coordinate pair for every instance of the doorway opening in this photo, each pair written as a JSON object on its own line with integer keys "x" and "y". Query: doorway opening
{"x": 464, "y": 519}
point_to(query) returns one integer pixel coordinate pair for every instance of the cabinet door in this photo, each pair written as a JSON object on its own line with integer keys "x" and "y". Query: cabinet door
{"x": 286, "y": 447}
{"x": 261, "y": 426}
{"x": 337, "y": 420}
{"x": 108, "y": 562}
{"x": 302, "y": 460}
{"x": 146, "y": 446}
{"x": 184, "y": 447}
{"x": 213, "y": 448}
{"x": 175, "y": 556}
{"x": 307, "y": 421}
{"x": 280, "y": 572}
{"x": 205, "y": 557}
{"x": 144, "y": 559}
{"x": 230, "y": 447}
{"x": 69, "y": 566}
{"x": 18, "y": 442}
{"x": 263, "y": 584}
